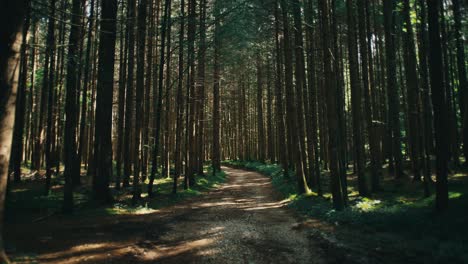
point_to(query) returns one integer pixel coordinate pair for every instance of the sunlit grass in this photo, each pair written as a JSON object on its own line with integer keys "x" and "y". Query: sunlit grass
{"x": 28, "y": 198}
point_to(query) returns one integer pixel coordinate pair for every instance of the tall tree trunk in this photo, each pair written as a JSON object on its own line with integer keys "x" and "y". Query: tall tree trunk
{"x": 412, "y": 87}
{"x": 17, "y": 143}
{"x": 312, "y": 114}
{"x": 190, "y": 141}
{"x": 463, "y": 83}
{"x": 12, "y": 19}
{"x": 269, "y": 116}
{"x": 291, "y": 109}
{"x": 440, "y": 105}
{"x": 332, "y": 113}
{"x": 356, "y": 98}
{"x": 179, "y": 100}
{"x": 86, "y": 84}
{"x": 428, "y": 143}
{"x": 71, "y": 172}
{"x": 158, "y": 103}
{"x": 140, "y": 83}
{"x": 216, "y": 153}
{"x": 129, "y": 93}
{"x": 46, "y": 98}
{"x": 392, "y": 86}
{"x": 201, "y": 90}
{"x": 104, "y": 94}
{"x": 260, "y": 127}
{"x": 166, "y": 152}
{"x": 365, "y": 48}
{"x": 279, "y": 95}
{"x": 300, "y": 87}
{"x": 121, "y": 102}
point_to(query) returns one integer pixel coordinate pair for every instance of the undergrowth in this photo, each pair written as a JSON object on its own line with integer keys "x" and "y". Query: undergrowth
{"x": 399, "y": 221}
{"x": 27, "y": 199}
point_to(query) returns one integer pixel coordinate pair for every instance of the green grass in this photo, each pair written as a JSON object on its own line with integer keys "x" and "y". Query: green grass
{"x": 27, "y": 201}
{"x": 163, "y": 194}
{"x": 399, "y": 221}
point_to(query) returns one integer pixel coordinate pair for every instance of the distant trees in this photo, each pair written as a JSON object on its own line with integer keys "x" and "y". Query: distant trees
{"x": 323, "y": 87}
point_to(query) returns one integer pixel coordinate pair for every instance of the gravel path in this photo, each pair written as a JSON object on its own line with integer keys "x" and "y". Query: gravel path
{"x": 242, "y": 221}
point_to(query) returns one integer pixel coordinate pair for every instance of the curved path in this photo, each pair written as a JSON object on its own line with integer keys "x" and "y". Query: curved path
{"x": 242, "y": 221}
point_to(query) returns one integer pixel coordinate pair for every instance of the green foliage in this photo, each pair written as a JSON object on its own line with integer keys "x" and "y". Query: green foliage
{"x": 163, "y": 196}
{"x": 398, "y": 219}
{"x": 27, "y": 200}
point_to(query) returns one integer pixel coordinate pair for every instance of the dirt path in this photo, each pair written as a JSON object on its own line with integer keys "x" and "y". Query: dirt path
{"x": 242, "y": 221}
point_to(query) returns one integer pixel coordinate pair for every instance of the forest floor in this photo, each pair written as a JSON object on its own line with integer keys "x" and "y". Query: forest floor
{"x": 398, "y": 224}
{"x": 244, "y": 220}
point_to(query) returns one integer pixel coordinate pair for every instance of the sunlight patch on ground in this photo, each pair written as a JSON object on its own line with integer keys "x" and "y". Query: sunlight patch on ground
{"x": 216, "y": 204}
{"x": 264, "y": 206}
{"x": 367, "y": 205}
{"x": 95, "y": 252}
{"x": 124, "y": 209}
{"x": 169, "y": 251}
{"x": 19, "y": 190}
{"x": 453, "y": 195}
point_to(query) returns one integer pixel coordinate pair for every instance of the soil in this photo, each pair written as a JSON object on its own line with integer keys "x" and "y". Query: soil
{"x": 242, "y": 221}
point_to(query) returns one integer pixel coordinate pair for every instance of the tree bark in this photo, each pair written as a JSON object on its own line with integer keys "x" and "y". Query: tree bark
{"x": 158, "y": 103}
{"x": 216, "y": 153}
{"x": 332, "y": 113}
{"x": 12, "y": 18}
{"x": 104, "y": 95}
{"x": 440, "y": 105}
{"x": 129, "y": 94}
{"x": 356, "y": 98}
{"x": 392, "y": 88}
{"x": 463, "y": 83}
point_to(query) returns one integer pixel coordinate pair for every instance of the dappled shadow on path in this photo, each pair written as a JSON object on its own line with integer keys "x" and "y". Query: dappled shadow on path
{"x": 242, "y": 221}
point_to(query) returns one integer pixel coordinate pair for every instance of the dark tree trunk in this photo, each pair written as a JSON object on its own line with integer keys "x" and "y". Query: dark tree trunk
{"x": 440, "y": 105}
{"x": 356, "y": 99}
{"x": 158, "y": 102}
{"x": 179, "y": 100}
{"x": 129, "y": 94}
{"x": 367, "y": 76}
{"x": 216, "y": 153}
{"x": 166, "y": 151}
{"x": 191, "y": 131}
{"x": 463, "y": 83}
{"x": 17, "y": 143}
{"x": 312, "y": 115}
{"x": 12, "y": 19}
{"x": 332, "y": 112}
{"x": 300, "y": 87}
{"x": 412, "y": 87}
{"x": 140, "y": 82}
{"x": 428, "y": 142}
{"x": 291, "y": 107}
{"x": 279, "y": 96}
{"x": 71, "y": 173}
{"x": 200, "y": 105}
{"x": 47, "y": 96}
{"x": 104, "y": 94}
{"x": 392, "y": 86}
{"x": 260, "y": 126}
{"x": 86, "y": 84}
{"x": 121, "y": 102}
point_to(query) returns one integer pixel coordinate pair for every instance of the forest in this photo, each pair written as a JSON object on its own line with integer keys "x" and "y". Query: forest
{"x": 233, "y": 131}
